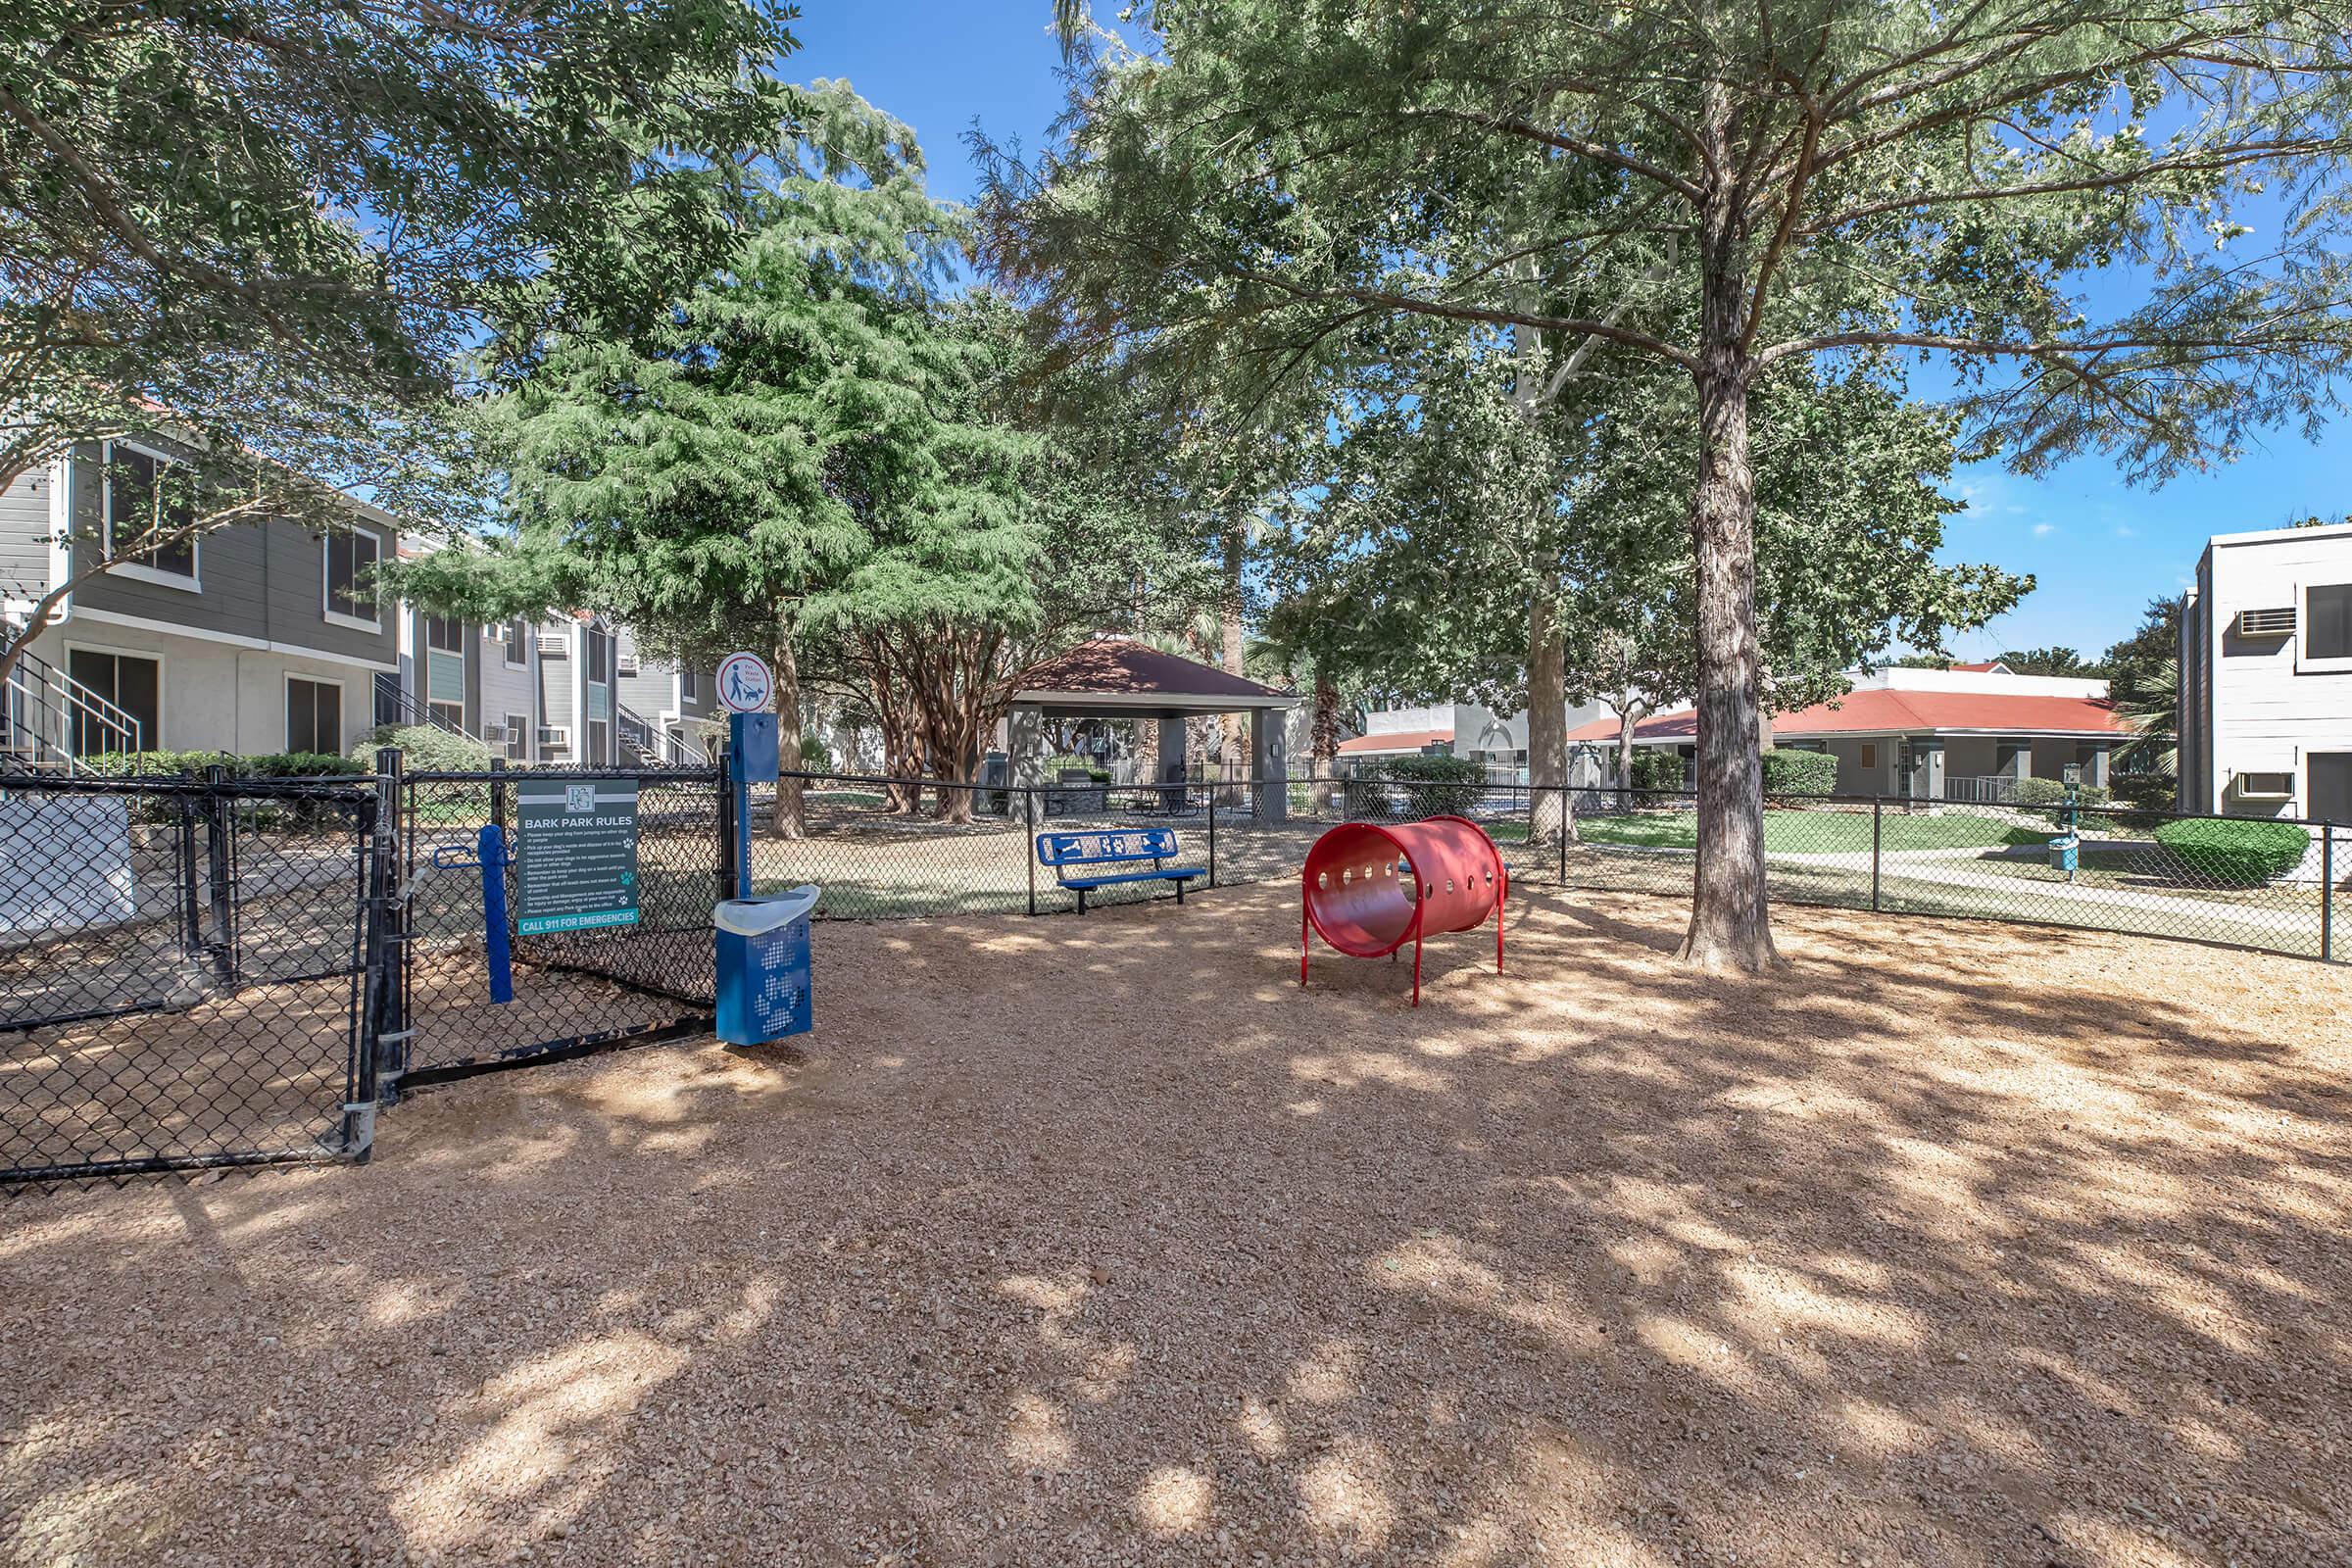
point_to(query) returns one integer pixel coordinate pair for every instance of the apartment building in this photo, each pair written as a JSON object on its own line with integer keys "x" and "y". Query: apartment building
{"x": 2266, "y": 675}
{"x": 261, "y": 637}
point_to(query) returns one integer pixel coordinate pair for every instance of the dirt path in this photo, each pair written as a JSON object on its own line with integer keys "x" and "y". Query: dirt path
{"x": 1075, "y": 1242}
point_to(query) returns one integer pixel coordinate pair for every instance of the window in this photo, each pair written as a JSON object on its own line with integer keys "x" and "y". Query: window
{"x": 350, "y": 557}
{"x": 598, "y": 715}
{"x": 145, "y": 499}
{"x": 518, "y": 738}
{"x": 518, "y": 642}
{"x": 2327, "y": 622}
{"x": 1870, "y": 754}
{"x": 689, "y": 686}
{"x": 2330, "y": 797}
{"x": 313, "y": 715}
{"x": 124, "y": 711}
{"x": 389, "y": 704}
{"x": 445, "y": 671}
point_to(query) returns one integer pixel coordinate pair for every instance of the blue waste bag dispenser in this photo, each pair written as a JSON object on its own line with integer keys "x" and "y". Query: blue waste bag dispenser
{"x": 764, "y": 965}
{"x": 2065, "y": 853}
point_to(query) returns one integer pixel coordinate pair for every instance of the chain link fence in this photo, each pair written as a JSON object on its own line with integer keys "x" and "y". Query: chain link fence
{"x": 885, "y": 849}
{"x": 183, "y": 973}
{"x": 573, "y": 990}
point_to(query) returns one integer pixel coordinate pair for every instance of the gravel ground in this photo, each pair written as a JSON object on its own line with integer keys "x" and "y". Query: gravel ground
{"x": 1101, "y": 1241}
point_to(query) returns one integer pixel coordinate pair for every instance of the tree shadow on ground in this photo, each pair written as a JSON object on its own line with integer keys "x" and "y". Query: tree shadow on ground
{"x": 1060, "y": 1240}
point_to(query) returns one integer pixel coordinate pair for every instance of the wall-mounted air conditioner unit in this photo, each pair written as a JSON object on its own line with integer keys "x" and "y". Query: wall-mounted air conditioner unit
{"x": 2264, "y": 786}
{"x": 553, "y": 645}
{"x": 493, "y": 734}
{"x": 2267, "y": 622}
{"x": 555, "y": 739}
{"x": 625, "y": 664}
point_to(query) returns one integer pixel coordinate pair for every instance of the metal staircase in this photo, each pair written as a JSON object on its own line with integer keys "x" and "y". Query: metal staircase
{"x": 51, "y": 723}
{"x": 646, "y": 744}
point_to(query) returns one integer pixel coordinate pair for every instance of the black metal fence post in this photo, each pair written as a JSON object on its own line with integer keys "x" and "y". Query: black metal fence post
{"x": 497, "y": 793}
{"x": 1562, "y": 836}
{"x": 2326, "y": 891}
{"x": 1029, "y": 842}
{"x": 390, "y": 922}
{"x": 729, "y": 827}
{"x": 220, "y": 847}
{"x": 1212, "y": 837}
{"x": 1878, "y": 809}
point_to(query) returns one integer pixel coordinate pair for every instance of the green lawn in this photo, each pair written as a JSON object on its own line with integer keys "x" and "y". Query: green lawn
{"x": 1820, "y": 832}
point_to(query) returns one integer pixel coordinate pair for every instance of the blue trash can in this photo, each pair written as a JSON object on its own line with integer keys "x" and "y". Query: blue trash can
{"x": 764, "y": 965}
{"x": 2065, "y": 853}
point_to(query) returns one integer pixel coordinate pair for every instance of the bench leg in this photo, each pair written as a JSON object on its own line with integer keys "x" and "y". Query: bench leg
{"x": 1082, "y": 901}
{"x": 1180, "y": 890}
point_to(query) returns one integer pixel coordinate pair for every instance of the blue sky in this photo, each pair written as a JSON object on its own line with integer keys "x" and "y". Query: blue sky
{"x": 2100, "y": 549}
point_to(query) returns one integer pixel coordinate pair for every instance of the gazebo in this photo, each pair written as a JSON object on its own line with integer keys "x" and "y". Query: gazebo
{"x": 1118, "y": 677}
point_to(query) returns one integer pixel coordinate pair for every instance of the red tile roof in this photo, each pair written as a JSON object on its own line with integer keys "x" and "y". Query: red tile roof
{"x": 1122, "y": 666}
{"x": 1397, "y": 740}
{"x": 1881, "y": 712}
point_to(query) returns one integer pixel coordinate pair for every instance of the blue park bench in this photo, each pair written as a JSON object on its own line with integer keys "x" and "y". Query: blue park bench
{"x": 1117, "y": 847}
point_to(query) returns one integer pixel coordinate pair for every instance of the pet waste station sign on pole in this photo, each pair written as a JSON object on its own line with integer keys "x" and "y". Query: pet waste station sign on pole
{"x": 578, "y": 854}
{"x": 748, "y": 686}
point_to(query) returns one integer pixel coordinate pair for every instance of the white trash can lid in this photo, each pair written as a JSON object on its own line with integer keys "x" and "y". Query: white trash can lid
{"x": 751, "y": 917}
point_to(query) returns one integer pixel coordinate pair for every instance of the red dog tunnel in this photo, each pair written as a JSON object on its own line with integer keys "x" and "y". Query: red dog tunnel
{"x": 1369, "y": 888}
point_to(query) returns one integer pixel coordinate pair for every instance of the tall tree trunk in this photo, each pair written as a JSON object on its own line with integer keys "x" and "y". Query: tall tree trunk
{"x": 791, "y": 819}
{"x": 1731, "y": 925}
{"x": 1551, "y": 813}
{"x": 1629, "y": 720}
{"x": 1145, "y": 754}
{"x": 1323, "y": 749}
{"x": 1235, "y": 726}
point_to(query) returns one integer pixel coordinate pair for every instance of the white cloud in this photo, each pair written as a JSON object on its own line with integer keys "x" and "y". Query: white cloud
{"x": 2041, "y": 529}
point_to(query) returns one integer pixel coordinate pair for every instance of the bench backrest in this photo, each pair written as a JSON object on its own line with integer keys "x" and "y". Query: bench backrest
{"x": 1115, "y": 844}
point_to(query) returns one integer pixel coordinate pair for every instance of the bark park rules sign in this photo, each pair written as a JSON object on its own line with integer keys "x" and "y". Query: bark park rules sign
{"x": 577, "y": 854}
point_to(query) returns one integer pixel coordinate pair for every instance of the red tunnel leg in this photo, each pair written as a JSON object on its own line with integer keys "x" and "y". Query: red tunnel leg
{"x": 1416, "y": 963}
{"x": 1303, "y": 943}
{"x": 1502, "y": 899}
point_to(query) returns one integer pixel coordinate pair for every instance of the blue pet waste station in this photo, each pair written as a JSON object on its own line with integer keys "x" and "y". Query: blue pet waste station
{"x": 763, "y": 966}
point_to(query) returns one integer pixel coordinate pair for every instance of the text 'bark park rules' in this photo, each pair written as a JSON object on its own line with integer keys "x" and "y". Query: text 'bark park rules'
{"x": 577, "y": 854}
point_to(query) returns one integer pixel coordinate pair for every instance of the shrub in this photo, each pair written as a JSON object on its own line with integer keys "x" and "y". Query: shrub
{"x": 1430, "y": 770}
{"x": 2236, "y": 852}
{"x": 2047, "y": 797}
{"x": 2146, "y": 799}
{"x": 423, "y": 749}
{"x": 1656, "y": 768}
{"x": 815, "y": 756}
{"x": 268, "y": 764}
{"x": 1790, "y": 771}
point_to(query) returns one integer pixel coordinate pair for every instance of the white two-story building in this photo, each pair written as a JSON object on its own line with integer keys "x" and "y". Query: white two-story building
{"x": 2266, "y": 676}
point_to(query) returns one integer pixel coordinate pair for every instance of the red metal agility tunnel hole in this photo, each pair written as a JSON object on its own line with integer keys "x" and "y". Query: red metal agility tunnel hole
{"x": 1369, "y": 888}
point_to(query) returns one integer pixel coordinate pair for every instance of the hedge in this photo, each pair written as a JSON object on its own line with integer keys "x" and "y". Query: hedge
{"x": 268, "y": 764}
{"x": 2236, "y": 852}
{"x": 1658, "y": 768}
{"x": 1790, "y": 771}
{"x": 423, "y": 749}
{"x": 1419, "y": 769}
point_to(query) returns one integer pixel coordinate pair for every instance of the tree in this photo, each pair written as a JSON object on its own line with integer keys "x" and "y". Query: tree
{"x": 1400, "y": 565}
{"x": 2144, "y": 682}
{"x": 2051, "y": 661}
{"x": 1754, "y": 187}
{"x": 262, "y": 230}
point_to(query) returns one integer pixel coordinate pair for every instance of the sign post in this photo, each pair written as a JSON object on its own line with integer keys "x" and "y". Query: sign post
{"x": 747, "y": 686}
{"x": 577, "y": 843}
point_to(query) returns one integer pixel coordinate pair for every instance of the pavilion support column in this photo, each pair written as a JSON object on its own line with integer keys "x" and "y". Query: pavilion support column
{"x": 1025, "y": 744}
{"x": 1267, "y": 763}
{"x": 1171, "y": 748}
{"x": 2095, "y": 760}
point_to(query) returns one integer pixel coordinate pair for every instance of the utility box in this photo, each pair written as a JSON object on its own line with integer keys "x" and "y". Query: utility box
{"x": 764, "y": 965}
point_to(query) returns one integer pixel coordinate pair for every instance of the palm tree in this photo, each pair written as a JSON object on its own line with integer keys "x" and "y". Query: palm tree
{"x": 2150, "y": 707}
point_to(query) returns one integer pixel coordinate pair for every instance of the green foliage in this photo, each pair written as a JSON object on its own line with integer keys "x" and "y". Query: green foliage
{"x": 2047, "y": 797}
{"x": 1658, "y": 768}
{"x": 815, "y": 756}
{"x": 1791, "y": 772}
{"x": 2143, "y": 681}
{"x": 341, "y": 196}
{"x": 2236, "y": 852}
{"x": 268, "y": 764}
{"x": 424, "y": 748}
{"x": 2051, "y": 662}
{"x": 1428, "y": 769}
